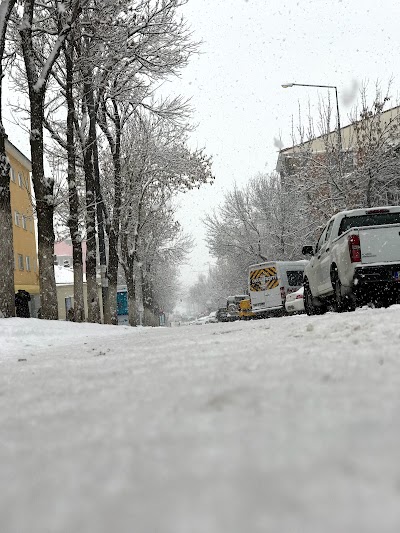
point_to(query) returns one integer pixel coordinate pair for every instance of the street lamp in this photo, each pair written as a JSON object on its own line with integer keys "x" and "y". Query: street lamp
{"x": 288, "y": 85}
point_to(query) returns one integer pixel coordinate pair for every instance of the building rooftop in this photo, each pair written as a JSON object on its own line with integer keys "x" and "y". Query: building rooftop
{"x": 13, "y": 150}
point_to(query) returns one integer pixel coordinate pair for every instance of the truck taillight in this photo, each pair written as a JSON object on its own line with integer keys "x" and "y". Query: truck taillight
{"x": 299, "y": 297}
{"x": 354, "y": 248}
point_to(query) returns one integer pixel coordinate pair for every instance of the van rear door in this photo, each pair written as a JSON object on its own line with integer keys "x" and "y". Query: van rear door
{"x": 264, "y": 287}
{"x": 273, "y": 294}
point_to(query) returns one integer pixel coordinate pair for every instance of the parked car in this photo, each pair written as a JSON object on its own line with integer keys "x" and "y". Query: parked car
{"x": 212, "y": 318}
{"x": 199, "y": 321}
{"x": 295, "y": 302}
{"x": 209, "y": 319}
{"x": 356, "y": 261}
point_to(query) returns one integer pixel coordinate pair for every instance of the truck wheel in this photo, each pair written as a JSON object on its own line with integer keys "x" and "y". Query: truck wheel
{"x": 309, "y": 306}
{"x": 341, "y": 303}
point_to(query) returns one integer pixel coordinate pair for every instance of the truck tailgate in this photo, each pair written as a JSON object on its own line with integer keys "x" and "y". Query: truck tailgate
{"x": 380, "y": 244}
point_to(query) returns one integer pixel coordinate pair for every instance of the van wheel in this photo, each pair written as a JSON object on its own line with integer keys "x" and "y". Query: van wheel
{"x": 309, "y": 306}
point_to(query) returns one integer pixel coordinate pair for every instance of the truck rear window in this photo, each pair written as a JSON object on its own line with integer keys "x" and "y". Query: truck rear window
{"x": 295, "y": 278}
{"x": 376, "y": 219}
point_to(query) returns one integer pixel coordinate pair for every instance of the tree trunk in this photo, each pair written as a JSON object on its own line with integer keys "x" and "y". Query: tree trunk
{"x": 130, "y": 284}
{"x": 45, "y": 210}
{"x": 139, "y": 291}
{"x": 112, "y": 276}
{"x": 130, "y": 280}
{"x": 91, "y": 249}
{"x": 7, "y": 305}
{"x": 369, "y": 189}
{"x": 73, "y": 220}
{"x": 100, "y": 214}
{"x": 129, "y": 277}
{"x": 114, "y": 232}
{"x": 91, "y": 244}
{"x": 43, "y": 187}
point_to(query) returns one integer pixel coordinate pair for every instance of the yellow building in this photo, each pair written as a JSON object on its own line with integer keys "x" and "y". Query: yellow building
{"x": 26, "y": 274}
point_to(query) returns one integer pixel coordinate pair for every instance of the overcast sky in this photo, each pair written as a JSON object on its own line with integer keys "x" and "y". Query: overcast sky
{"x": 251, "y": 47}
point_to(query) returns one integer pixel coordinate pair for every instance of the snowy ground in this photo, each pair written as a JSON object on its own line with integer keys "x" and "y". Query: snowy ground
{"x": 284, "y": 425}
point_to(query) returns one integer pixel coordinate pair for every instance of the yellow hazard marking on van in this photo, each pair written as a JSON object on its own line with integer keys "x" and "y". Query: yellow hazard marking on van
{"x": 272, "y": 284}
{"x": 263, "y": 279}
{"x": 268, "y": 272}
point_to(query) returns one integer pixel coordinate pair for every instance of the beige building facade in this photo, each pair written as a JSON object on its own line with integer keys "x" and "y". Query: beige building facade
{"x": 288, "y": 156}
{"x": 65, "y": 292}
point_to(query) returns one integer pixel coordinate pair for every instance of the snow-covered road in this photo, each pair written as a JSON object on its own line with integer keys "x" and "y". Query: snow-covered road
{"x": 283, "y": 425}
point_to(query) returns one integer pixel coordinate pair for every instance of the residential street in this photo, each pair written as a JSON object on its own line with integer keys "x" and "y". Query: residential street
{"x": 194, "y": 168}
{"x": 280, "y": 425}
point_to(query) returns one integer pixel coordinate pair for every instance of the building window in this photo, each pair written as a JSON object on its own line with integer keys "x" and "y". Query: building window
{"x": 20, "y": 179}
{"x": 12, "y": 174}
{"x": 20, "y": 262}
{"x": 24, "y": 222}
{"x": 35, "y": 264}
{"x": 28, "y": 263}
{"x": 16, "y": 218}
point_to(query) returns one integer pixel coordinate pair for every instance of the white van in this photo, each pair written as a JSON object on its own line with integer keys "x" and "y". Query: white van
{"x": 270, "y": 282}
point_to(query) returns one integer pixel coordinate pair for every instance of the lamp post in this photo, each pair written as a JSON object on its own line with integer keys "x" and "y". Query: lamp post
{"x": 288, "y": 85}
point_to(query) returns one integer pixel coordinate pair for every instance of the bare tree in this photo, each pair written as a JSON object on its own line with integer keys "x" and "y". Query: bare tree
{"x": 157, "y": 45}
{"x": 6, "y": 255}
{"x": 73, "y": 196}
{"x": 254, "y": 222}
{"x": 113, "y": 57}
{"x": 157, "y": 164}
{"x": 40, "y": 55}
{"x": 376, "y": 176}
{"x": 64, "y": 94}
{"x": 365, "y": 173}
{"x": 161, "y": 290}
{"x": 226, "y": 278}
{"x": 315, "y": 171}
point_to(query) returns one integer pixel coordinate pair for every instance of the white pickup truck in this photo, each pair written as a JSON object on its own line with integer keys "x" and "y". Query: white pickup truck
{"x": 356, "y": 261}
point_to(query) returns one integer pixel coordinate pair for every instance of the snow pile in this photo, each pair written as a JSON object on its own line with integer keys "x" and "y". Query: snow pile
{"x": 275, "y": 425}
{"x": 26, "y": 338}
